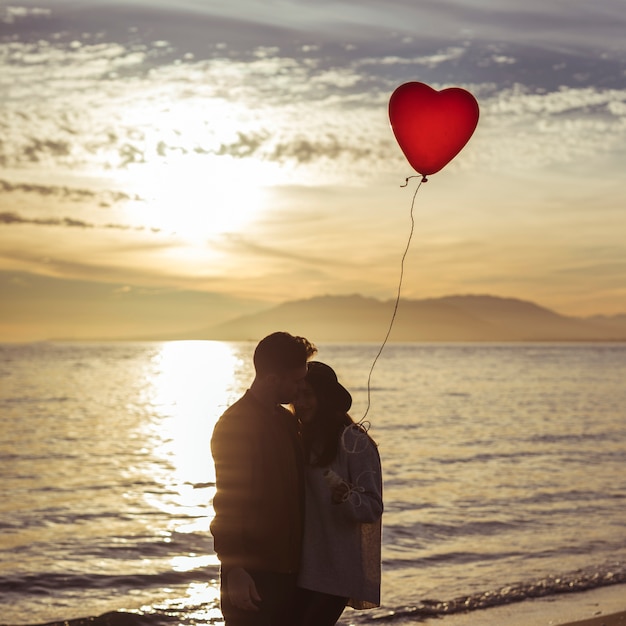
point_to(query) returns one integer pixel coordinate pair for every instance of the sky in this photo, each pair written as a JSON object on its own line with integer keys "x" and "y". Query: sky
{"x": 172, "y": 165}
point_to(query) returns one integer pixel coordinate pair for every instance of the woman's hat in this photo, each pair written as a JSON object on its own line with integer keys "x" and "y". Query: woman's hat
{"x": 326, "y": 386}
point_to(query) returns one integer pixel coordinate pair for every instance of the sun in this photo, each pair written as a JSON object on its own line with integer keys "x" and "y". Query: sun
{"x": 202, "y": 197}
{"x": 184, "y": 183}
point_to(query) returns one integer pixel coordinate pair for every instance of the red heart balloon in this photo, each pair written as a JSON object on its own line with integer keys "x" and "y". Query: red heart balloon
{"x": 431, "y": 127}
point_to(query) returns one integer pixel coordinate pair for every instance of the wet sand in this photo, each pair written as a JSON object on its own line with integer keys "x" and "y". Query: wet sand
{"x": 616, "y": 619}
{"x": 605, "y": 606}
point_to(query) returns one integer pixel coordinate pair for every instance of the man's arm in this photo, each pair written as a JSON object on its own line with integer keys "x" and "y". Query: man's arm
{"x": 232, "y": 455}
{"x": 234, "y": 458}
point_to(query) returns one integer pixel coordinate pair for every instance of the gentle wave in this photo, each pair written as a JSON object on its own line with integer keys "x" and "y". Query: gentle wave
{"x": 45, "y": 582}
{"x": 126, "y": 618}
{"x": 517, "y": 592}
{"x": 206, "y": 613}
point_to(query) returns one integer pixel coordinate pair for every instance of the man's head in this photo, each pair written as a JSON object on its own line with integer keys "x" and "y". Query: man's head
{"x": 280, "y": 362}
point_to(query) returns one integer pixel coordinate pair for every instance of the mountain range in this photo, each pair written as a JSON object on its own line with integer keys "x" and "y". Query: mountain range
{"x": 356, "y": 318}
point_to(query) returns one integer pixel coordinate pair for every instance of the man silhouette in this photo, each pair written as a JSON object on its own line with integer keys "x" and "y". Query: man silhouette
{"x": 259, "y": 499}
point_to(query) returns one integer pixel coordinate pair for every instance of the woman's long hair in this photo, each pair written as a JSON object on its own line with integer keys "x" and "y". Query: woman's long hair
{"x": 321, "y": 436}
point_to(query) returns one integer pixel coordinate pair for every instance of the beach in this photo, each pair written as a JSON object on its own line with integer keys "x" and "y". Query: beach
{"x": 605, "y": 606}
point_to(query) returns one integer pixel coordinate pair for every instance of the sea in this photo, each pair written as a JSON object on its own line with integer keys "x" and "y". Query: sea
{"x": 504, "y": 475}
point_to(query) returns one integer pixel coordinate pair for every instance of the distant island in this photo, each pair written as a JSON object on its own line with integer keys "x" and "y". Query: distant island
{"x": 471, "y": 318}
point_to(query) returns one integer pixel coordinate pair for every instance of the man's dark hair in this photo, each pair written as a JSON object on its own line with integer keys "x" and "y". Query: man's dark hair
{"x": 280, "y": 352}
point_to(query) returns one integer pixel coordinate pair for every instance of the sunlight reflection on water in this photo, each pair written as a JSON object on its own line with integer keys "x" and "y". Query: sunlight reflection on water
{"x": 188, "y": 385}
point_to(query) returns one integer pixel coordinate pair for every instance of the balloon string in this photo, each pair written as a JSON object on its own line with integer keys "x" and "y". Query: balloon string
{"x": 406, "y": 182}
{"x": 397, "y": 303}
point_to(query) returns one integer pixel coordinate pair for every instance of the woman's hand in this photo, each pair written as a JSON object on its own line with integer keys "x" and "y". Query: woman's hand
{"x": 339, "y": 492}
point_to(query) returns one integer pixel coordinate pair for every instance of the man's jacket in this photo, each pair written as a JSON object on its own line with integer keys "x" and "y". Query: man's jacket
{"x": 259, "y": 480}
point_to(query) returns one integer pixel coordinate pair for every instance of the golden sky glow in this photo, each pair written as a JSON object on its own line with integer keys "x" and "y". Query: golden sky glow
{"x": 195, "y": 153}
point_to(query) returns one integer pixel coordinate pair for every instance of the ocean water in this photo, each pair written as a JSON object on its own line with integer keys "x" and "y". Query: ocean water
{"x": 504, "y": 472}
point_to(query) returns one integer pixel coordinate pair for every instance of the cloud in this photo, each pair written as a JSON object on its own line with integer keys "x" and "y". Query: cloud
{"x": 10, "y": 218}
{"x": 102, "y": 265}
{"x": 302, "y": 149}
{"x": 521, "y": 129}
{"x": 240, "y": 244}
{"x": 67, "y": 193}
{"x": 116, "y": 106}
{"x": 368, "y": 22}
{"x": 15, "y": 14}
